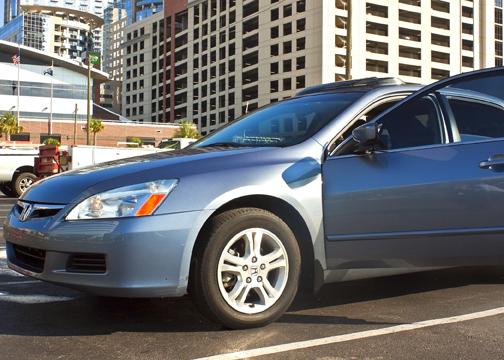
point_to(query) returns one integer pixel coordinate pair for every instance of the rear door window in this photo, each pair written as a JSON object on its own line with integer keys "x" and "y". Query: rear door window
{"x": 477, "y": 119}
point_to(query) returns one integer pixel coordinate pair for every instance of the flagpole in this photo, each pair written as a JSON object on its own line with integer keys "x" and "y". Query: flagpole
{"x": 18, "y": 83}
{"x": 51, "y": 103}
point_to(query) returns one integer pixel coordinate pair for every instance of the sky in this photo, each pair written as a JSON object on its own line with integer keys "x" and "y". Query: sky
{"x": 2, "y": 2}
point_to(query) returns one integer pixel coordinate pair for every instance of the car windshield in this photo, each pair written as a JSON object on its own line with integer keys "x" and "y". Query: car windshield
{"x": 286, "y": 123}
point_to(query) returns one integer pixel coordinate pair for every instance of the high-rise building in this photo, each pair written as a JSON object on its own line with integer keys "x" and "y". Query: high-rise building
{"x": 141, "y": 64}
{"x": 57, "y": 32}
{"x": 214, "y": 60}
{"x": 126, "y": 5}
{"x": 116, "y": 20}
{"x": 64, "y": 27}
{"x": 10, "y": 10}
{"x": 145, "y": 8}
{"x": 498, "y": 32}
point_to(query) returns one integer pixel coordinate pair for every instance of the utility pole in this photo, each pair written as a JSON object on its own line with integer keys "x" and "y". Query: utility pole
{"x": 75, "y": 126}
{"x": 51, "y": 103}
{"x": 348, "y": 62}
{"x": 18, "y": 84}
{"x": 88, "y": 56}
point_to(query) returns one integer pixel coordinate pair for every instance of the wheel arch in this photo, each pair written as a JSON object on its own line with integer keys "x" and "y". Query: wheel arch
{"x": 22, "y": 169}
{"x": 284, "y": 211}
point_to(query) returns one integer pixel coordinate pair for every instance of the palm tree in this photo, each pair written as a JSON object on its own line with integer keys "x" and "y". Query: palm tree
{"x": 9, "y": 125}
{"x": 187, "y": 130}
{"x": 95, "y": 126}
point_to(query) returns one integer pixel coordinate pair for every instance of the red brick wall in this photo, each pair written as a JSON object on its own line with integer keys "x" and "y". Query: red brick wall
{"x": 109, "y": 136}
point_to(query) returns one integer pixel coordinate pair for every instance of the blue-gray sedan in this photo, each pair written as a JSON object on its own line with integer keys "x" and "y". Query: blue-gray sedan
{"x": 341, "y": 182}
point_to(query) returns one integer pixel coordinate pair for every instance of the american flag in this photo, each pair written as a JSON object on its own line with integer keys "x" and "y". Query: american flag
{"x": 16, "y": 59}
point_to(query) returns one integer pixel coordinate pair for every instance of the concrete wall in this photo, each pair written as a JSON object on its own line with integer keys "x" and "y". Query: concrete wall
{"x": 109, "y": 136}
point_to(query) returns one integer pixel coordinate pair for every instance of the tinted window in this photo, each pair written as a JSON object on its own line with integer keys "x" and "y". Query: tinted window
{"x": 285, "y": 123}
{"x": 477, "y": 120}
{"x": 416, "y": 123}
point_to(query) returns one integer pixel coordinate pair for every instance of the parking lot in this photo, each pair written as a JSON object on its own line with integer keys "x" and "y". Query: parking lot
{"x": 373, "y": 319}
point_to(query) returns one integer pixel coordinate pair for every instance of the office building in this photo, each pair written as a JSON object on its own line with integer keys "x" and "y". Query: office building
{"x": 63, "y": 27}
{"x": 141, "y": 63}
{"x": 116, "y": 20}
{"x": 145, "y": 8}
{"x": 214, "y": 60}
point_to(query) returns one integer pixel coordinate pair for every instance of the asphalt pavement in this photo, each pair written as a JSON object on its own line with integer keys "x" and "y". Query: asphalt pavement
{"x": 449, "y": 314}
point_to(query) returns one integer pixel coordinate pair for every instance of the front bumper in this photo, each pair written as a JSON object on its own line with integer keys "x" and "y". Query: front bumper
{"x": 144, "y": 257}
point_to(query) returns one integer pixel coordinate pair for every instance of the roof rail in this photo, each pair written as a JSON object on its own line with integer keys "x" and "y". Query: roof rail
{"x": 366, "y": 82}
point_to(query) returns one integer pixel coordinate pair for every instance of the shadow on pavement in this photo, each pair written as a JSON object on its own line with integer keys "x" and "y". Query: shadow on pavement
{"x": 40, "y": 309}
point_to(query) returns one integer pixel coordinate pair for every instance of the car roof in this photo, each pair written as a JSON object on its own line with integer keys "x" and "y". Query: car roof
{"x": 358, "y": 85}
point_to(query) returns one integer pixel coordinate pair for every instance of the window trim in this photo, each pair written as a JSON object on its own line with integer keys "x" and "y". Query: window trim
{"x": 445, "y": 138}
{"x": 374, "y": 104}
{"x": 456, "y": 138}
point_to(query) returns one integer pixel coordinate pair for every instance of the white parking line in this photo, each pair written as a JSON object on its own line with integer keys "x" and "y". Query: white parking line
{"x": 353, "y": 336}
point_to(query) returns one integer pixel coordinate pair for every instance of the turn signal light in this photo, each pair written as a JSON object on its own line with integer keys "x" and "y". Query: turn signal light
{"x": 150, "y": 205}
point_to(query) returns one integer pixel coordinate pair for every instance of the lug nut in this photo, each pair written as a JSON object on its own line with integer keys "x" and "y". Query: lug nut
{"x": 263, "y": 266}
{"x": 259, "y": 278}
{"x": 249, "y": 280}
{"x": 254, "y": 259}
{"x": 245, "y": 268}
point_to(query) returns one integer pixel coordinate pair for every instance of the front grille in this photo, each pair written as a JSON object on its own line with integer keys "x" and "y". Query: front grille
{"x": 87, "y": 263}
{"x": 36, "y": 210}
{"x": 29, "y": 258}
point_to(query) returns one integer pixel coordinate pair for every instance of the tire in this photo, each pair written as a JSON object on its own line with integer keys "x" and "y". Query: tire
{"x": 22, "y": 182}
{"x": 263, "y": 289}
{"x": 7, "y": 190}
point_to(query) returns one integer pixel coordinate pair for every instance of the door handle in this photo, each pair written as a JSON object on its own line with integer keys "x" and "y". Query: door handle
{"x": 493, "y": 162}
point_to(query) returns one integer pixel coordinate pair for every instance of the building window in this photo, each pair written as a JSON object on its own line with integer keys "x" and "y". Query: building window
{"x": 287, "y": 84}
{"x": 301, "y": 25}
{"x": 287, "y": 29}
{"x": 274, "y": 86}
{"x": 300, "y": 82}
{"x": 274, "y": 50}
{"x": 274, "y": 68}
{"x": 287, "y": 10}
{"x": 376, "y": 10}
{"x": 376, "y": 29}
{"x": 287, "y": 47}
{"x": 376, "y": 66}
{"x": 301, "y": 6}
{"x": 439, "y": 74}
{"x": 300, "y": 63}
{"x": 410, "y": 70}
{"x": 377, "y": 47}
{"x": 287, "y": 65}
{"x": 274, "y": 14}
{"x": 274, "y": 32}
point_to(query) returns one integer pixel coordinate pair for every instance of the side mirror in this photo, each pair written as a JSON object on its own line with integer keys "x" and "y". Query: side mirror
{"x": 367, "y": 136}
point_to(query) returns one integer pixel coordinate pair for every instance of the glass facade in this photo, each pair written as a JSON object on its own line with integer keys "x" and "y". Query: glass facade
{"x": 145, "y": 8}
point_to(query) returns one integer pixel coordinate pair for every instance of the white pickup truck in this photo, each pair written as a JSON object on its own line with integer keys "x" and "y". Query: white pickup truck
{"x": 17, "y": 169}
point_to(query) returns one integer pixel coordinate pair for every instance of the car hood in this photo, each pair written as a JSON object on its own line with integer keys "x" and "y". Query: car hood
{"x": 73, "y": 186}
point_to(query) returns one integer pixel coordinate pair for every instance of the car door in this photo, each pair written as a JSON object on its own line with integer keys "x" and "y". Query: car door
{"x": 433, "y": 193}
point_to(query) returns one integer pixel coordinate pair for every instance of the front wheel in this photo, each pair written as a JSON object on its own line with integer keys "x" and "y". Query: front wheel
{"x": 246, "y": 272}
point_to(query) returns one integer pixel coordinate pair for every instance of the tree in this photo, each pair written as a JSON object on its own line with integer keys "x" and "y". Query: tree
{"x": 95, "y": 126}
{"x": 187, "y": 130}
{"x": 8, "y": 125}
{"x": 51, "y": 141}
{"x": 135, "y": 140}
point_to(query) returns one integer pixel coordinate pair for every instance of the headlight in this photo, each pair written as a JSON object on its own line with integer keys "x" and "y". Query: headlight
{"x": 135, "y": 200}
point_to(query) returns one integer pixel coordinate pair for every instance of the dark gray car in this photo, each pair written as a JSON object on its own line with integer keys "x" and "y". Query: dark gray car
{"x": 319, "y": 188}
